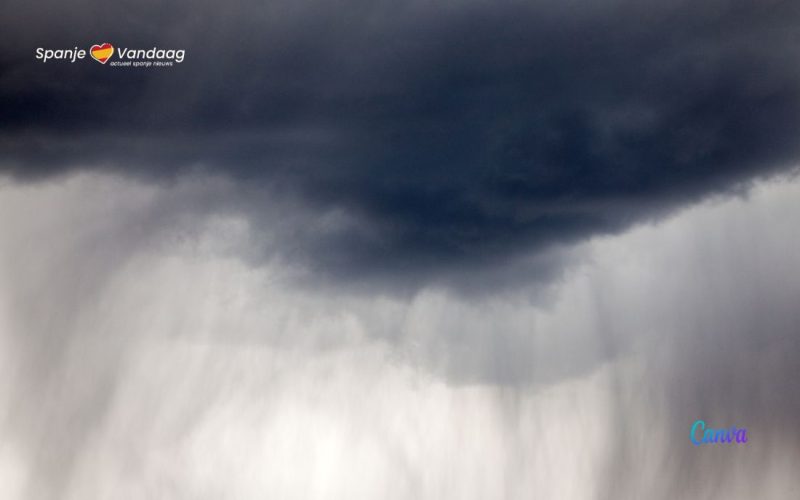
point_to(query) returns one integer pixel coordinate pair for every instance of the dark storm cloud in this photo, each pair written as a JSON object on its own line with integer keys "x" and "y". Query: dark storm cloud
{"x": 450, "y": 133}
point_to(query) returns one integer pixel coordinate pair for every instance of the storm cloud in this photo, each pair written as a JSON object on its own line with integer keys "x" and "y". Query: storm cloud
{"x": 141, "y": 356}
{"x": 446, "y": 133}
{"x": 416, "y": 249}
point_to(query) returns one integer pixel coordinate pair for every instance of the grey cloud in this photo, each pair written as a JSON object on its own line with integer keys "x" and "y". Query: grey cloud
{"x": 133, "y": 338}
{"x": 454, "y": 135}
{"x": 437, "y": 149}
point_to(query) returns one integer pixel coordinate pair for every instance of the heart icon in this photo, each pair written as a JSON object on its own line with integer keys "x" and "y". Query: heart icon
{"x": 102, "y": 53}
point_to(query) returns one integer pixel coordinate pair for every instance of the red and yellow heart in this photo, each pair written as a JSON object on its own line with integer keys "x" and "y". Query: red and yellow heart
{"x": 102, "y": 53}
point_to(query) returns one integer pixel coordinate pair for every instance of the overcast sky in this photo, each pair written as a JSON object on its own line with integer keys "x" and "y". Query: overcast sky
{"x": 410, "y": 249}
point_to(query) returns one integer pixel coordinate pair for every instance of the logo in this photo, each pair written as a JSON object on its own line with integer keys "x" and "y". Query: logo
{"x": 106, "y": 54}
{"x": 702, "y": 435}
{"x": 102, "y": 53}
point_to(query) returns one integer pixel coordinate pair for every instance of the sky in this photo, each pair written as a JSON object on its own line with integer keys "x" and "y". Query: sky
{"x": 417, "y": 249}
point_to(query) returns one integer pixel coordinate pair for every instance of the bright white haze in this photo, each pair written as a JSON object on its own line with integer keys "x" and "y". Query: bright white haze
{"x": 145, "y": 354}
